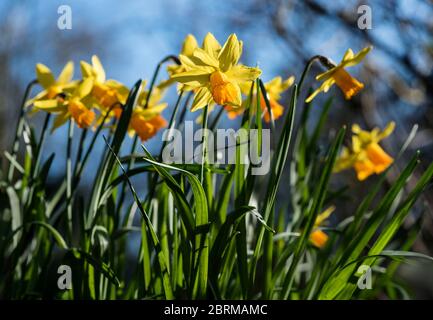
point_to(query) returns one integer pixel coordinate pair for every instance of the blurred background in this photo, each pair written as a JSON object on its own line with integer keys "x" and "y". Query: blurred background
{"x": 279, "y": 36}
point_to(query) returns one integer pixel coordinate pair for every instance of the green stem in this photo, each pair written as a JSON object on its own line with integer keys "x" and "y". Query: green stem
{"x": 204, "y": 142}
{"x": 41, "y": 145}
{"x": 155, "y": 74}
{"x": 19, "y": 129}
{"x": 69, "y": 178}
{"x": 131, "y": 163}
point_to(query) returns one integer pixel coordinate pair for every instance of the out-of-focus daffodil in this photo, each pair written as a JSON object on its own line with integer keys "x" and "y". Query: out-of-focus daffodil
{"x": 108, "y": 94}
{"x": 366, "y": 156}
{"x": 339, "y": 76}
{"x": 77, "y": 105}
{"x": 215, "y": 75}
{"x": 274, "y": 89}
{"x": 317, "y": 237}
{"x": 146, "y": 122}
{"x": 53, "y": 88}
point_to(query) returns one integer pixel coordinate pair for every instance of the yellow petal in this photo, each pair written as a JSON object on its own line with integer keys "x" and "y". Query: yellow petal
{"x": 157, "y": 95}
{"x": 40, "y": 96}
{"x": 277, "y": 86}
{"x": 230, "y": 53}
{"x": 202, "y": 98}
{"x": 211, "y": 45}
{"x": 205, "y": 59}
{"x": 66, "y": 74}
{"x": 60, "y": 120}
{"x": 357, "y": 58}
{"x": 387, "y": 131}
{"x": 348, "y": 55}
{"x": 324, "y": 216}
{"x": 51, "y": 105}
{"x": 356, "y": 128}
{"x": 189, "y": 44}
{"x": 325, "y": 75}
{"x": 287, "y": 83}
{"x": 192, "y": 63}
{"x": 84, "y": 88}
{"x": 121, "y": 89}
{"x": 324, "y": 87}
{"x": 166, "y": 83}
{"x": 86, "y": 69}
{"x": 193, "y": 78}
{"x": 241, "y": 73}
{"x": 149, "y": 113}
{"x": 99, "y": 69}
{"x": 344, "y": 161}
{"x": 44, "y": 75}
{"x": 357, "y": 143}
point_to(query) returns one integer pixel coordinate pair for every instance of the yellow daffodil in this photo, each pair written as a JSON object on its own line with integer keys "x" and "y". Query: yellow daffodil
{"x": 215, "y": 75}
{"x": 274, "y": 89}
{"x": 366, "y": 156}
{"x": 77, "y": 105}
{"x": 53, "y": 88}
{"x": 317, "y": 237}
{"x": 339, "y": 76}
{"x": 146, "y": 122}
{"x": 108, "y": 94}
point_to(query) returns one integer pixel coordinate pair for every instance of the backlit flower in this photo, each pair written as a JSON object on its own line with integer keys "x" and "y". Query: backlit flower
{"x": 339, "y": 76}
{"x": 52, "y": 88}
{"x": 146, "y": 122}
{"x": 76, "y": 105}
{"x": 366, "y": 156}
{"x": 215, "y": 75}
{"x": 108, "y": 94}
{"x": 317, "y": 237}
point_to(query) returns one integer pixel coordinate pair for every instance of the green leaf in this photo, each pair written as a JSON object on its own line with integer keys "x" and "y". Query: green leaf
{"x": 201, "y": 239}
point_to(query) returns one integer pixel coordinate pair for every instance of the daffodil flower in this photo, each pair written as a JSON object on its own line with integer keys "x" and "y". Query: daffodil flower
{"x": 366, "y": 156}
{"x": 77, "y": 105}
{"x": 53, "y": 88}
{"x": 317, "y": 237}
{"x": 274, "y": 89}
{"x": 146, "y": 122}
{"x": 108, "y": 94}
{"x": 339, "y": 76}
{"x": 215, "y": 75}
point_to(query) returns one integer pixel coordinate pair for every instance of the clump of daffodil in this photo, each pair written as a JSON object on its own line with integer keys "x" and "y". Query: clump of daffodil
{"x": 214, "y": 74}
{"x": 317, "y": 237}
{"x": 339, "y": 76}
{"x": 366, "y": 156}
{"x": 53, "y": 88}
{"x": 147, "y": 121}
{"x": 76, "y": 104}
{"x": 274, "y": 89}
{"x": 108, "y": 94}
